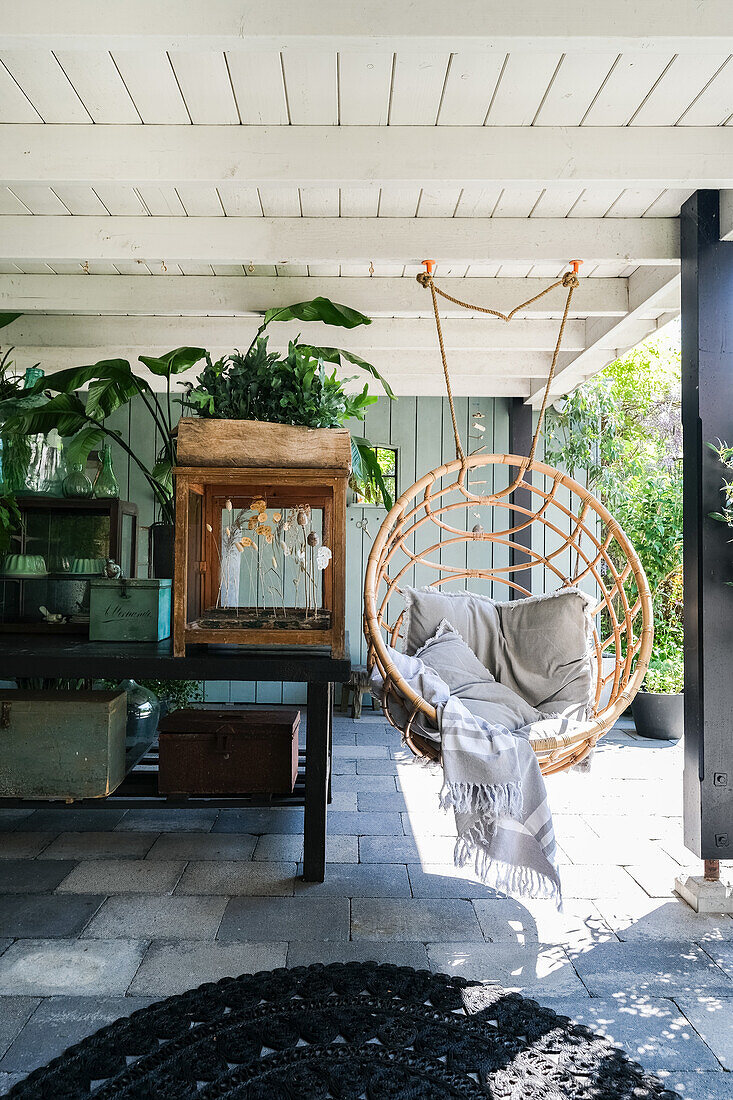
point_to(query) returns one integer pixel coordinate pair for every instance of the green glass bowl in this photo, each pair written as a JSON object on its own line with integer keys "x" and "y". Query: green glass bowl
{"x": 24, "y": 565}
{"x": 87, "y": 566}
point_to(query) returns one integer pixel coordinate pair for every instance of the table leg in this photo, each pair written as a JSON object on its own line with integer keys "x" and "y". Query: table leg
{"x": 330, "y": 740}
{"x": 320, "y": 699}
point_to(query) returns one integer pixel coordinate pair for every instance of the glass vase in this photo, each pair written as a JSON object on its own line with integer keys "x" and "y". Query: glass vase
{"x": 76, "y": 482}
{"x": 105, "y": 483}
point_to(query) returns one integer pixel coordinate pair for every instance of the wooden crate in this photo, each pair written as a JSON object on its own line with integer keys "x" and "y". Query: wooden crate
{"x": 232, "y": 750}
{"x": 62, "y": 744}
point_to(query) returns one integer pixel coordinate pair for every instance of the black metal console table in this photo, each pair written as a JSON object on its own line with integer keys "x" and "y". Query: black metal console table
{"x": 65, "y": 656}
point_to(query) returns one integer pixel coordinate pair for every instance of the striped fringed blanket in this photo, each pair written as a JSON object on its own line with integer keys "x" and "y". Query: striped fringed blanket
{"x": 492, "y": 782}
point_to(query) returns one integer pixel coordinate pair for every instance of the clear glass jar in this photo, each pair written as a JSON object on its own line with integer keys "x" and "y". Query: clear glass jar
{"x": 105, "y": 483}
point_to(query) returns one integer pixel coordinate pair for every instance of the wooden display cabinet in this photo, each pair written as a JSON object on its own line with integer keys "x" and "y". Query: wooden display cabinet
{"x": 260, "y": 556}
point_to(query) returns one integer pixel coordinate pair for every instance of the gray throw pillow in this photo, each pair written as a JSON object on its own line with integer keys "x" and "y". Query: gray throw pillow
{"x": 471, "y": 682}
{"x": 538, "y": 647}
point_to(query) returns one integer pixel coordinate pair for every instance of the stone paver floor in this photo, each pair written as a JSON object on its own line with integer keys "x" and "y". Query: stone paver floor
{"x": 102, "y": 912}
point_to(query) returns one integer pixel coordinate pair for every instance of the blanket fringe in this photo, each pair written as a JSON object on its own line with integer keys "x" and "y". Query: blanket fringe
{"x": 492, "y": 800}
{"x": 514, "y": 881}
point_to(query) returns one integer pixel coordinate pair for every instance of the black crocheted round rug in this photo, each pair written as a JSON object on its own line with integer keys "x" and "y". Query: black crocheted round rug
{"x": 354, "y": 1031}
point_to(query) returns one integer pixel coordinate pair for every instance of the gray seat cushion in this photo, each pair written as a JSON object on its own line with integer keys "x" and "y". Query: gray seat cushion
{"x": 539, "y": 647}
{"x": 471, "y": 682}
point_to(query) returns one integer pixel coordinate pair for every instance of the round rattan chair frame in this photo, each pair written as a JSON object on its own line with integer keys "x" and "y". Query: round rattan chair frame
{"x": 590, "y": 550}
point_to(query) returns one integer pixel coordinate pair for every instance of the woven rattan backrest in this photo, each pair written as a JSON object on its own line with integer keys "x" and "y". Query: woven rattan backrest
{"x": 456, "y": 528}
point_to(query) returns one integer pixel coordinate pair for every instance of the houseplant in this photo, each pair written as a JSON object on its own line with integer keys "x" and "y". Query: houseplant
{"x": 296, "y": 387}
{"x": 658, "y": 708}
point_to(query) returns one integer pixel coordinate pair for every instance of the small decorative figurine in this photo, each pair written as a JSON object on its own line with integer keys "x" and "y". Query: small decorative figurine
{"x": 112, "y": 570}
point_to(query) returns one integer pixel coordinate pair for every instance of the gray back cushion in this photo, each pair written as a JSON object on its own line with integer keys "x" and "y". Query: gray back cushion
{"x": 538, "y": 647}
{"x": 471, "y": 682}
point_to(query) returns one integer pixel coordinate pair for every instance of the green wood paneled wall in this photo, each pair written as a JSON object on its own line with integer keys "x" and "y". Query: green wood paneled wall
{"x": 419, "y": 427}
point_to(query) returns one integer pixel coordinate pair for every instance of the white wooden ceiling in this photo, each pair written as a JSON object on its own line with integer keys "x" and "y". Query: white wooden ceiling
{"x": 263, "y": 156}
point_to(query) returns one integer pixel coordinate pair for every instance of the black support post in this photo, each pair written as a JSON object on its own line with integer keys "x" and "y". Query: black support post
{"x": 520, "y": 441}
{"x": 707, "y": 415}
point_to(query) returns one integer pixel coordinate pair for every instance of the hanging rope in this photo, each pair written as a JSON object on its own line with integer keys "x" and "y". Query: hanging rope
{"x": 569, "y": 281}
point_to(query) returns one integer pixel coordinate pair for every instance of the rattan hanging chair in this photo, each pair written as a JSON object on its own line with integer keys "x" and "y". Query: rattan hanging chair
{"x": 458, "y": 524}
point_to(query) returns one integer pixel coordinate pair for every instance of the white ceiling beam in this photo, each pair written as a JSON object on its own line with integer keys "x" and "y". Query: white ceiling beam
{"x": 607, "y": 338}
{"x": 487, "y": 25}
{"x": 405, "y": 156}
{"x": 473, "y": 375}
{"x": 339, "y": 240}
{"x": 384, "y": 334}
{"x": 195, "y": 295}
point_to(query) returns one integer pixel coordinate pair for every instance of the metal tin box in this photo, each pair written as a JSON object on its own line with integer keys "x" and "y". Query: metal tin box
{"x": 130, "y": 610}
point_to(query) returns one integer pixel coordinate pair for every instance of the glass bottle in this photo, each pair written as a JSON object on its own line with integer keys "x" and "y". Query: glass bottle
{"x": 35, "y": 473}
{"x": 76, "y": 482}
{"x": 105, "y": 483}
{"x": 55, "y": 470}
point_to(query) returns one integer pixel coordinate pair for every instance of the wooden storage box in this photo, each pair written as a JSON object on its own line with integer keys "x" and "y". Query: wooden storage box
{"x": 130, "y": 610}
{"x": 62, "y": 744}
{"x": 209, "y": 751}
{"x": 260, "y": 553}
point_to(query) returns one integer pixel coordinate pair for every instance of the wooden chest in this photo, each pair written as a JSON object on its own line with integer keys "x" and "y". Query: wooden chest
{"x": 228, "y": 750}
{"x": 62, "y": 744}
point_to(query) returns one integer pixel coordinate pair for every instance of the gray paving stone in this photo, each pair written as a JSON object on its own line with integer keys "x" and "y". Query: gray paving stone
{"x": 277, "y": 847}
{"x": 364, "y": 824}
{"x": 383, "y": 783}
{"x": 343, "y": 767}
{"x": 722, "y": 953}
{"x": 124, "y": 876}
{"x": 359, "y": 880}
{"x": 107, "y": 845}
{"x": 381, "y": 801}
{"x": 203, "y": 846}
{"x": 12, "y": 819}
{"x": 49, "y": 968}
{"x": 261, "y": 919}
{"x": 281, "y": 819}
{"x": 661, "y": 969}
{"x": 406, "y": 849}
{"x": 433, "y": 822}
{"x": 665, "y": 919}
{"x": 651, "y": 1030}
{"x": 4, "y": 945}
{"x": 505, "y": 920}
{"x": 712, "y": 1018}
{"x": 171, "y": 968}
{"x": 594, "y": 881}
{"x": 72, "y": 820}
{"x": 343, "y": 800}
{"x": 414, "y": 919}
{"x": 377, "y": 735}
{"x": 360, "y": 752}
{"x": 14, "y": 1011}
{"x": 236, "y": 877}
{"x": 445, "y": 881}
{"x": 8, "y": 1080}
{"x": 302, "y": 953}
{"x": 538, "y": 970}
{"x": 33, "y": 876}
{"x": 698, "y": 1086}
{"x": 59, "y": 1023}
{"x": 40, "y": 916}
{"x": 376, "y": 767}
{"x": 168, "y": 821}
{"x": 166, "y": 918}
{"x": 17, "y": 845}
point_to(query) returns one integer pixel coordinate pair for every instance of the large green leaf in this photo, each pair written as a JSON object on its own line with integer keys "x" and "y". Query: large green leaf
{"x": 78, "y": 447}
{"x": 173, "y": 362}
{"x": 336, "y": 355}
{"x": 8, "y": 318}
{"x": 74, "y": 378}
{"x": 318, "y": 309}
{"x": 65, "y": 412}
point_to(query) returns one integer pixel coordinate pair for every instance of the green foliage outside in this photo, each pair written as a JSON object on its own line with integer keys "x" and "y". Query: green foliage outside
{"x": 621, "y": 434}
{"x": 369, "y": 493}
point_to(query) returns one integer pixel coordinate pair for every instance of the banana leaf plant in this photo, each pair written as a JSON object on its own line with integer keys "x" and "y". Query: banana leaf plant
{"x": 295, "y": 387}
{"x": 111, "y": 384}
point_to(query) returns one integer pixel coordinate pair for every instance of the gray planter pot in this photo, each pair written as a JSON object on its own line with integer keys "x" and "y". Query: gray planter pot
{"x": 661, "y": 717}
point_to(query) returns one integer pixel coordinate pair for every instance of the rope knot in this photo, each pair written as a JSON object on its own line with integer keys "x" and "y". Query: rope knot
{"x": 569, "y": 279}
{"x": 424, "y": 278}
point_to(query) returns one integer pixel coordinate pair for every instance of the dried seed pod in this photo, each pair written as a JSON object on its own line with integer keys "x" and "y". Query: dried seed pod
{"x": 228, "y": 505}
{"x": 276, "y": 516}
{"x": 245, "y": 542}
{"x": 477, "y": 531}
{"x": 313, "y": 539}
{"x": 268, "y": 538}
{"x": 228, "y": 532}
{"x": 258, "y": 505}
{"x": 302, "y": 519}
{"x": 251, "y": 523}
{"x": 262, "y": 517}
